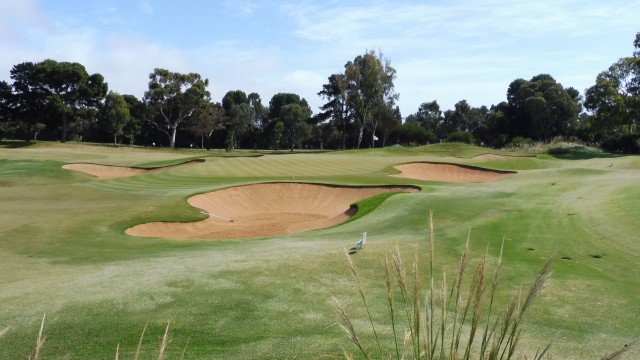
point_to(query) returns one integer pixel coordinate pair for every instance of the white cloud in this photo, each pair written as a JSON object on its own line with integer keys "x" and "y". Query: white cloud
{"x": 145, "y": 7}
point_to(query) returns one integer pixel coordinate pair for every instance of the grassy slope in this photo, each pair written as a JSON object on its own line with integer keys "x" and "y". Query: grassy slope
{"x": 64, "y": 251}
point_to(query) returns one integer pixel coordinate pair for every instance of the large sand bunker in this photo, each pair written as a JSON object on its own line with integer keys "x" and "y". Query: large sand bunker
{"x": 266, "y": 209}
{"x": 444, "y": 172}
{"x": 113, "y": 172}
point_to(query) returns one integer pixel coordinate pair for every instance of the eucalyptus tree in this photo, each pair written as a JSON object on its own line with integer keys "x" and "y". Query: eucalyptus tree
{"x": 208, "y": 118}
{"x": 429, "y": 116}
{"x": 370, "y": 88}
{"x": 115, "y": 115}
{"x": 259, "y": 120}
{"x": 239, "y": 114}
{"x": 294, "y": 113}
{"x": 295, "y": 118}
{"x": 172, "y": 98}
{"x": 138, "y": 114}
{"x": 614, "y": 100}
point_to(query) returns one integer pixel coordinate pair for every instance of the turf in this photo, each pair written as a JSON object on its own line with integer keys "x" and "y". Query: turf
{"x": 63, "y": 251}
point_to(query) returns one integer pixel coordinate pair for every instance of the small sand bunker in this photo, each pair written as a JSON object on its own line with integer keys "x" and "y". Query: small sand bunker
{"x": 495, "y": 156}
{"x": 113, "y": 172}
{"x": 266, "y": 210}
{"x": 444, "y": 172}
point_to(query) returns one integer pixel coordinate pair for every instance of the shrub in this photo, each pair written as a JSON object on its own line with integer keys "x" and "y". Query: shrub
{"x": 461, "y": 136}
{"x": 627, "y": 144}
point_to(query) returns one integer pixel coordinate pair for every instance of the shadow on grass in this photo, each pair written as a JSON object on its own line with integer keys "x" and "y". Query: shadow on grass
{"x": 15, "y": 144}
{"x": 580, "y": 153}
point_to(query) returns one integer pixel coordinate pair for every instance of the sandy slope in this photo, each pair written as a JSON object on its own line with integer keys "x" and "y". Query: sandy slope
{"x": 448, "y": 172}
{"x": 112, "y": 172}
{"x": 265, "y": 210}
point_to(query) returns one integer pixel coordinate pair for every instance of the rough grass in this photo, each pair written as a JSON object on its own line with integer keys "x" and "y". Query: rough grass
{"x": 63, "y": 251}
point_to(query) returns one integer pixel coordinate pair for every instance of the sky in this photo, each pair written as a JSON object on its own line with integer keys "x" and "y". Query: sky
{"x": 442, "y": 50}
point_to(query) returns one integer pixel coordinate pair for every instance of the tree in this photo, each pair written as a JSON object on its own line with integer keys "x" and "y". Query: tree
{"x": 53, "y": 91}
{"x": 614, "y": 105}
{"x": 412, "y": 134}
{"x": 259, "y": 119}
{"x": 370, "y": 79}
{"x": 294, "y": 118}
{"x": 239, "y": 114}
{"x": 6, "y": 107}
{"x": 429, "y": 116}
{"x": 614, "y": 100}
{"x": 390, "y": 120}
{"x": 207, "y": 119}
{"x": 337, "y": 107}
{"x": 172, "y": 98}
{"x": 115, "y": 115}
{"x": 293, "y": 112}
{"x": 278, "y": 131}
{"x": 541, "y": 108}
{"x": 137, "y": 112}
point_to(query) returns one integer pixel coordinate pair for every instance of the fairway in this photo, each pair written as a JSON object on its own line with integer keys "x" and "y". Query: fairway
{"x": 65, "y": 249}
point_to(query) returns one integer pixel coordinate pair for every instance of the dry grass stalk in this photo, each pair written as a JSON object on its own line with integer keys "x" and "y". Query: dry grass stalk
{"x": 450, "y": 331}
{"x": 184, "y": 351}
{"x": 356, "y": 276}
{"x": 347, "y": 326}
{"x": 163, "y": 345}
{"x": 624, "y": 349}
{"x": 117, "y": 352}
{"x": 391, "y": 303}
{"x": 137, "y": 354}
{"x": 4, "y": 331}
{"x": 39, "y": 342}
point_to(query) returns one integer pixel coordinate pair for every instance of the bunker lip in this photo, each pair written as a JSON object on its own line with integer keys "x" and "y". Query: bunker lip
{"x": 266, "y": 209}
{"x": 447, "y": 172}
{"x": 113, "y": 171}
{"x": 491, "y": 156}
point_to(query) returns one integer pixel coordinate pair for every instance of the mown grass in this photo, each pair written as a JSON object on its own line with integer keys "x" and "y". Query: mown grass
{"x": 63, "y": 251}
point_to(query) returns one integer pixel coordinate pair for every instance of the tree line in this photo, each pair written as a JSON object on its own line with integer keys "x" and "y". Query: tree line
{"x": 53, "y": 100}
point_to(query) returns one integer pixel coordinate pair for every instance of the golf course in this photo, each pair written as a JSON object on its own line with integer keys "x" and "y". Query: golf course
{"x": 239, "y": 255}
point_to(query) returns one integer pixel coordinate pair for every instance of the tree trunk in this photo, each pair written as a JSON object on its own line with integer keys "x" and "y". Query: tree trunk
{"x": 344, "y": 134}
{"x": 63, "y": 139}
{"x": 360, "y": 132}
{"x": 172, "y": 140}
{"x": 115, "y": 139}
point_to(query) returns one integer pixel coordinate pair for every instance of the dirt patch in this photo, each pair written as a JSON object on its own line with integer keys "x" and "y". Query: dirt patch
{"x": 265, "y": 210}
{"x": 113, "y": 172}
{"x": 444, "y": 172}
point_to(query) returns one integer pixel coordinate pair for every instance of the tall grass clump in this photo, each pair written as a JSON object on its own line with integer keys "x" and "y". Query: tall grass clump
{"x": 453, "y": 321}
{"x": 457, "y": 320}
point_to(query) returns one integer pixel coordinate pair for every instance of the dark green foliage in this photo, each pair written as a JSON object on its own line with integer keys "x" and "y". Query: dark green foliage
{"x": 411, "y": 134}
{"x": 541, "y": 108}
{"x": 627, "y": 143}
{"x": 614, "y": 103}
{"x": 460, "y": 136}
{"x": 54, "y": 94}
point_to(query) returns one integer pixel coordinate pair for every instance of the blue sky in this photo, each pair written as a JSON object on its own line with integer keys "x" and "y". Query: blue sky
{"x": 442, "y": 50}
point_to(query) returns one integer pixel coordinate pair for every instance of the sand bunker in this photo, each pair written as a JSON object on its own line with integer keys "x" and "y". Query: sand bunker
{"x": 444, "y": 172}
{"x": 265, "y": 210}
{"x": 113, "y": 172}
{"x": 495, "y": 156}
